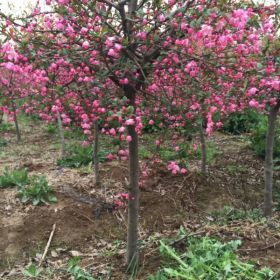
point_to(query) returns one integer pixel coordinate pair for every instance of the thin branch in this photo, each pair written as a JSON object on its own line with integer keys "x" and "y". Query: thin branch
{"x": 48, "y": 245}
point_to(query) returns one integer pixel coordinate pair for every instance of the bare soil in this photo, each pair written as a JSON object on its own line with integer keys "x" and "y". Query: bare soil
{"x": 88, "y": 226}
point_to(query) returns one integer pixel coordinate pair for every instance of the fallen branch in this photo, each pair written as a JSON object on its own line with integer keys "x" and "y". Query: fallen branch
{"x": 48, "y": 245}
{"x": 86, "y": 217}
{"x": 187, "y": 236}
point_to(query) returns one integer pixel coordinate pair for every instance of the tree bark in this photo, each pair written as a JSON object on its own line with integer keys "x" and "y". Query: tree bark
{"x": 204, "y": 167}
{"x": 95, "y": 154}
{"x": 1, "y": 116}
{"x": 61, "y": 134}
{"x": 133, "y": 191}
{"x": 272, "y": 117}
{"x": 16, "y": 123}
{"x": 133, "y": 202}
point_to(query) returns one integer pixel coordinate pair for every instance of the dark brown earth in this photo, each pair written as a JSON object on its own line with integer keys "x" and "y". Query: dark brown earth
{"x": 87, "y": 226}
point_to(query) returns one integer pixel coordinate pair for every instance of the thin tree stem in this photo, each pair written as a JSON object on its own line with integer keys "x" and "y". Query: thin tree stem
{"x": 61, "y": 134}
{"x": 95, "y": 154}
{"x": 16, "y": 123}
{"x": 272, "y": 117}
{"x": 204, "y": 167}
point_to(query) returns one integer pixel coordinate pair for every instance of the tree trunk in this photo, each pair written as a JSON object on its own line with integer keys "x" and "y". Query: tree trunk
{"x": 61, "y": 134}
{"x": 133, "y": 202}
{"x": 1, "y": 116}
{"x": 16, "y": 123}
{"x": 204, "y": 167}
{"x": 95, "y": 154}
{"x": 272, "y": 117}
{"x": 133, "y": 191}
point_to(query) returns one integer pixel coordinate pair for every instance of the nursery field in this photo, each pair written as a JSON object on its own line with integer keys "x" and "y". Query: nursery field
{"x": 140, "y": 139}
{"x": 223, "y": 205}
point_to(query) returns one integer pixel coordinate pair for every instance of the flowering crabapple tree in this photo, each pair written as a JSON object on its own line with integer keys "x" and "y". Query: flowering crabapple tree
{"x": 193, "y": 54}
{"x": 200, "y": 77}
{"x": 112, "y": 36}
{"x": 18, "y": 80}
{"x": 264, "y": 88}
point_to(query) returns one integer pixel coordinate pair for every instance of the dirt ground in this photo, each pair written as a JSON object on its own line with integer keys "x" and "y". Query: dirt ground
{"x": 86, "y": 224}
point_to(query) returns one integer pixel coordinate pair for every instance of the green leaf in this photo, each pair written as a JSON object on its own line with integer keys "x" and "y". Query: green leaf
{"x": 32, "y": 271}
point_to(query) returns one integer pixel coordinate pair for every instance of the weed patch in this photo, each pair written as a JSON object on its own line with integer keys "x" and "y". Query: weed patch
{"x": 229, "y": 214}
{"x": 78, "y": 155}
{"x": 207, "y": 258}
{"x": 37, "y": 191}
{"x": 13, "y": 178}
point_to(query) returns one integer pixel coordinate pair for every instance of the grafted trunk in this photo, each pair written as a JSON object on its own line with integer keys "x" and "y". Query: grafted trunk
{"x": 16, "y": 123}
{"x": 272, "y": 117}
{"x": 204, "y": 167}
{"x": 95, "y": 154}
{"x": 61, "y": 134}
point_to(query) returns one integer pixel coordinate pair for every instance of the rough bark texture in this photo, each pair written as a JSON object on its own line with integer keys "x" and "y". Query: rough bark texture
{"x": 61, "y": 133}
{"x": 268, "y": 205}
{"x": 95, "y": 154}
{"x": 133, "y": 201}
{"x": 16, "y": 123}
{"x": 204, "y": 167}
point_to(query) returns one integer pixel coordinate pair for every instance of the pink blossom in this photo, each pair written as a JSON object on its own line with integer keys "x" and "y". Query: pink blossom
{"x": 112, "y": 53}
{"x": 87, "y": 132}
{"x": 112, "y": 132}
{"x": 253, "y": 103}
{"x": 118, "y": 47}
{"x": 110, "y": 156}
{"x": 252, "y": 91}
{"x": 219, "y": 124}
{"x": 84, "y": 30}
{"x": 124, "y": 81}
{"x": 183, "y": 170}
{"x": 86, "y": 45}
{"x": 84, "y": 117}
{"x": 119, "y": 203}
{"x": 85, "y": 143}
{"x": 130, "y": 122}
{"x": 174, "y": 167}
{"x": 122, "y": 129}
{"x": 161, "y": 18}
{"x": 157, "y": 142}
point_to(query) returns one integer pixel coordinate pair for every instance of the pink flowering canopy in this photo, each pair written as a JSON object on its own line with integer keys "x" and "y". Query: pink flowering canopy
{"x": 187, "y": 61}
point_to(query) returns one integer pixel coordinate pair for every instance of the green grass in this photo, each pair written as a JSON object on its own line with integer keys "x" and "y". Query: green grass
{"x": 3, "y": 143}
{"x": 51, "y": 129}
{"x": 6, "y": 127}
